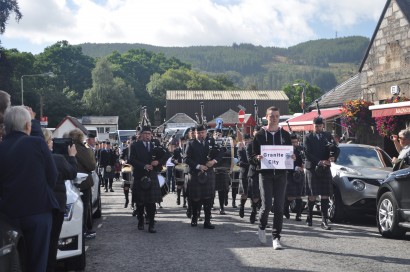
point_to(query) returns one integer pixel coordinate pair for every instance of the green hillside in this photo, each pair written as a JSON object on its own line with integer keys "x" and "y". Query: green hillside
{"x": 324, "y": 62}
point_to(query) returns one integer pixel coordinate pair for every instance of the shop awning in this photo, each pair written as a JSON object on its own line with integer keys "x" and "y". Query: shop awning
{"x": 399, "y": 108}
{"x": 305, "y": 122}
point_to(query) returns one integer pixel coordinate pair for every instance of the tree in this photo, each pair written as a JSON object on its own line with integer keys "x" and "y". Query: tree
{"x": 111, "y": 95}
{"x": 294, "y": 94}
{"x": 7, "y": 7}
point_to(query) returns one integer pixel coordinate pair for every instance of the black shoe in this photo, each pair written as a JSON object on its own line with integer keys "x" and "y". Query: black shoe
{"x": 140, "y": 225}
{"x": 151, "y": 229}
{"x": 325, "y": 226}
{"x": 221, "y": 211}
{"x": 241, "y": 212}
{"x": 226, "y": 201}
{"x": 106, "y": 190}
{"x": 126, "y": 204}
{"x": 252, "y": 219}
{"x": 134, "y": 212}
{"x": 286, "y": 214}
{"x": 234, "y": 204}
{"x": 188, "y": 213}
{"x": 194, "y": 222}
{"x": 309, "y": 222}
{"x": 298, "y": 218}
{"x": 208, "y": 225}
{"x": 111, "y": 190}
{"x": 178, "y": 201}
{"x": 184, "y": 206}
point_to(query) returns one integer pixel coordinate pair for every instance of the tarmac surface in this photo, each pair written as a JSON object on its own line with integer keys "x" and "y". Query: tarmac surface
{"x": 233, "y": 245}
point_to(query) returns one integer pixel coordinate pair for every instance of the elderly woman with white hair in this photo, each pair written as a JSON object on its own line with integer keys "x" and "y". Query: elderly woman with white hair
{"x": 27, "y": 175}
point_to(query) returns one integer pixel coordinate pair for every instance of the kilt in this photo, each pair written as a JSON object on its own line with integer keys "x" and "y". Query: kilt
{"x": 201, "y": 191}
{"x": 294, "y": 188}
{"x": 152, "y": 195}
{"x": 253, "y": 187}
{"x": 316, "y": 185}
{"x": 222, "y": 179}
{"x": 243, "y": 182}
{"x": 109, "y": 175}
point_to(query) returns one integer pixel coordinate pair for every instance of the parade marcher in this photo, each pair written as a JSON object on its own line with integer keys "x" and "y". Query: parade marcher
{"x": 253, "y": 179}
{"x": 234, "y": 185}
{"x": 127, "y": 171}
{"x": 178, "y": 158}
{"x": 243, "y": 173}
{"x": 221, "y": 171}
{"x": 202, "y": 177}
{"x": 295, "y": 181}
{"x": 170, "y": 166}
{"x": 28, "y": 175}
{"x": 402, "y": 144}
{"x": 191, "y": 137}
{"x": 107, "y": 162}
{"x": 272, "y": 182}
{"x": 320, "y": 151}
{"x": 146, "y": 189}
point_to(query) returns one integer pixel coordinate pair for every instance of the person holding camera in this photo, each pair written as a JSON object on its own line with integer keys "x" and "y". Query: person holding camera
{"x": 402, "y": 144}
{"x": 86, "y": 164}
{"x": 146, "y": 190}
{"x": 319, "y": 156}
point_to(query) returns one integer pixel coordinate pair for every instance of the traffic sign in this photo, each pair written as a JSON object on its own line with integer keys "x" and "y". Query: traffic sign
{"x": 241, "y": 116}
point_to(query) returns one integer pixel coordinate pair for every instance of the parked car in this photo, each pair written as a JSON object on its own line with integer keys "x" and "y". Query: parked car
{"x": 393, "y": 205}
{"x": 357, "y": 175}
{"x": 71, "y": 247}
{"x": 12, "y": 247}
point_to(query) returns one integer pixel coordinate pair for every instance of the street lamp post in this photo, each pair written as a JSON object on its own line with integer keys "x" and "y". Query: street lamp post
{"x": 302, "y": 96}
{"x": 47, "y": 74}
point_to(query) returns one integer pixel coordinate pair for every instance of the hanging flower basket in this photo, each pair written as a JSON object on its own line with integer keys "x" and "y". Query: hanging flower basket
{"x": 391, "y": 125}
{"x": 356, "y": 115}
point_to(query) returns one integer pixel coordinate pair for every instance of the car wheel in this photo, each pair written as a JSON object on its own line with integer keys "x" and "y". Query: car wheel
{"x": 388, "y": 217}
{"x": 336, "y": 208}
{"x": 77, "y": 263}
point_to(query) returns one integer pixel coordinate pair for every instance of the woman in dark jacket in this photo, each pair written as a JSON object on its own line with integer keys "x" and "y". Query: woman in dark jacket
{"x": 67, "y": 169}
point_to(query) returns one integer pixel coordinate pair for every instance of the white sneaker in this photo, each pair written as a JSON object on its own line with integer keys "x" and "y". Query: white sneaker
{"x": 262, "y": 236}
{"x": 276, "y": 244}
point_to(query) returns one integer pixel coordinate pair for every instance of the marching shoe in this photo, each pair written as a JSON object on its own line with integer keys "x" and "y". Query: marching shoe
{"x": 241, "y": 211}
{"x": 106, "y": 190}
{"x": 226, "y": 201}
{"x": 134, "y": 212}
{"x": 194, "y": 222}
{"x": 208, "y": 225}
{"x": 126, "y": 204}
{"x": 276, "y": 244}
{"x": 252, "y": 219}
{"x": 262, "y": 236}
{"x": 111, "y": 190}
{"x": 178, "y": 201}
{"x": 141, "y": 226}
{"x": 325, "y": 226}
{"x": 286, "y": 213}
{"x": 309, "y": 221}
{"x": 221, "y": 211}
{"x": 151, "y": 229}
{"x": 298, "y": 218}
{"x": 234, "y": 204}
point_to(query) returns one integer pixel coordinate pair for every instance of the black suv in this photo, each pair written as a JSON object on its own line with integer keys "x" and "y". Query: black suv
{"x": 393, "y": 205}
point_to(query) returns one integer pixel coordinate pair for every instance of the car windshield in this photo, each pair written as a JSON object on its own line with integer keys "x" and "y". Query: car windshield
{"x": 363, "y": 157}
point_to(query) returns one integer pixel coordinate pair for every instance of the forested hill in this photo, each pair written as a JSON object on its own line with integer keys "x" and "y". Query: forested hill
{"x": 324, "y": 62}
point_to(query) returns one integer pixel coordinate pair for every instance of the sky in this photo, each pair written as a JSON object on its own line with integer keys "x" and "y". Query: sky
{"x": 279, "y": 23}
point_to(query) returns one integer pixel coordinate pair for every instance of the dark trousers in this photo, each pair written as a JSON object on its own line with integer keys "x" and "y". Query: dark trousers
{"x": 58, "y": 219}
{"x": 108, "y": 182}
{"x": 170, "y": 178}
{"x": 86, "y": 198}
{"x": 272, "y": 185}
{"x": 36, "y": 230}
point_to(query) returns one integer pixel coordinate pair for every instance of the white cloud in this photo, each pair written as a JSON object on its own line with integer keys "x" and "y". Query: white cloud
{"x": 187, "y": 22}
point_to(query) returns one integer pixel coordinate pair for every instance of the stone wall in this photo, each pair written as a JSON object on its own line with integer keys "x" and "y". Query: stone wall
{"x": 388, "y": 61}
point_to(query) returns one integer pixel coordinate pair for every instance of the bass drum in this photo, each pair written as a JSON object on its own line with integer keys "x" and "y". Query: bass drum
{"x": 180, "y": 171}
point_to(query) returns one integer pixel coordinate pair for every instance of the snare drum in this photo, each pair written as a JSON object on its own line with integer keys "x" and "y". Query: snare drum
{"x": 180, "y": 171}
{"x": 163, "y": 185}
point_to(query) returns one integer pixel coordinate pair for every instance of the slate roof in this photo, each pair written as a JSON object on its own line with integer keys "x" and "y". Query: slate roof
{"x": 99, "y": 120}
{"x": 226, "y": 95}
{"x": 404, "y": 7}
{"x": 348, "y": 90}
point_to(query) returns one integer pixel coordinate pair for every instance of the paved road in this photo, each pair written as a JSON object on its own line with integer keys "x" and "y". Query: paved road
{"x": 234, "y": 245}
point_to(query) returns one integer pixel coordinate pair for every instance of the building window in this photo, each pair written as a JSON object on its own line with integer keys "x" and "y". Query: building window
{"x": 100, "y": 129}
{"x": 107, "y": 130}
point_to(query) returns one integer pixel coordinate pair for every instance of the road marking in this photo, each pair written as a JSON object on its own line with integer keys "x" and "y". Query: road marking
{"x": 99, "y": 226}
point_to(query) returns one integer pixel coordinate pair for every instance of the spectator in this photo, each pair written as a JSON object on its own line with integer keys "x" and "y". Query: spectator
{"x": 4, "y": 104}
{"x": 86, "y": 164}
{"x": 67, "y": 169}
{"x": 27, "y": 175}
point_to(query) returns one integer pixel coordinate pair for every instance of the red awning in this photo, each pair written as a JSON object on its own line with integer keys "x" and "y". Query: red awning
{"x": 305, "y": 122}
{"x": 400, "y": 108}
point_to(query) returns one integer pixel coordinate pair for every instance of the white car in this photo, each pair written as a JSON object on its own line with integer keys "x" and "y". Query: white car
{"x": 71, "y": 247}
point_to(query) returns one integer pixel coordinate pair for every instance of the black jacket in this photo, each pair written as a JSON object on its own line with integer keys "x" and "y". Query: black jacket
{"x": 67, "y": 170}
{"x": 316, "y": 149}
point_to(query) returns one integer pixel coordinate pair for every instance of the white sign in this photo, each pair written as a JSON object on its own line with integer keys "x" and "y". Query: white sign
{"x": 277, "y": 157}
